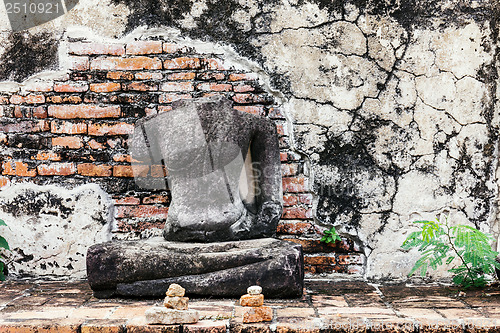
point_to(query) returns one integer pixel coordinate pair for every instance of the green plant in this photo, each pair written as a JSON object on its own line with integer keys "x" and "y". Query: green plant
{"x": 3, "y": 245}
{"x": 440, "y": 243}
{"x": 330, "y": 236}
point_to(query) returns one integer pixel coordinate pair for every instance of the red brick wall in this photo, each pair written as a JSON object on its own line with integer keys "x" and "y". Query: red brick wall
{"x": 74, "y": 131}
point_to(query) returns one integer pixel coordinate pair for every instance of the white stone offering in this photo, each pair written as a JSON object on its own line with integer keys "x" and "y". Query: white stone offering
{"x": 254, "y": 290}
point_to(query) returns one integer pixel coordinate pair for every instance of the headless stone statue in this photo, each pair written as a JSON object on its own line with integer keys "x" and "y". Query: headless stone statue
{"x": 223, "y": 170}
{"x": 225, "y": 178}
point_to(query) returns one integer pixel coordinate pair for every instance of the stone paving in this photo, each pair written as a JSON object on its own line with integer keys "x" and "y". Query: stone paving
{"x": 327, "y": 306}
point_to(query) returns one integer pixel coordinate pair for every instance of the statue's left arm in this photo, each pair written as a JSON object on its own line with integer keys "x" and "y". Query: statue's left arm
{"x": 266, "y": 159}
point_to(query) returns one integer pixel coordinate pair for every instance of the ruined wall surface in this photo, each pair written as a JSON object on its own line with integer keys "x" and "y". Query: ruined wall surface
{"x": 388, "y": 111}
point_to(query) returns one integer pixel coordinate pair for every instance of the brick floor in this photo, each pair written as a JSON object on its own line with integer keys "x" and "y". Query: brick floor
{"x": 328, "y": 306}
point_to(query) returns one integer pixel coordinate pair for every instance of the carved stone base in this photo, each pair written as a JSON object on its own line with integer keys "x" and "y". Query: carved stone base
{"x": 146, "y": 268}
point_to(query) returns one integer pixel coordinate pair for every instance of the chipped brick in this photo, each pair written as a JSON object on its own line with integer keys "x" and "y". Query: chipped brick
{"x": 94, "y": 170}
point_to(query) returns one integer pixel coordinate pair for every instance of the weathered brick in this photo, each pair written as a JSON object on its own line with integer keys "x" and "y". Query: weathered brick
{"x": 250, "y": 98}
{"x": 4, "y": 181}
{"x": 241, "y": 88}
{"x": 18, "y": 168}
{"x": 289, "y": 169}
{"x": 83, "y": 48}
{"x": 40, "y": 112}
{"x": 16, "y": 99}
{"x": 120, "y": 76}
{"x": 182, "y": 76}
{"x": 177, "y": 86}
{"x": 39, "y": 326}
{"x": 83, "y": 111}
{"x": 139, "y": 226}
{"x": 171, "y": 48}
{"x": 130, "y": 170}
{"x": 127, "y": 201}
{"x": 94, "y": 170}
{"x": 100, "y": 129}
{"x": 208, "y": 76}
{"x": 319, "y": 260}
{"x": 56, "y": 169}
{"x": 296, "y": 213}
{"x": 141, "y": 86}
{"x": 348, "y": 259}
{"x": 276, "y": 113}
{"x": 105, "y": 87}
{"x": 155, "y": 199}
{"x": 321, "y": 269}
{"x": 306, "y": 198}
{"x": 34, "y": 99}
{"x": 316, "y": 246}
{"x": 93, "y": 144}
{"x": 82, "y": 76}
{"x": 290, "y": 200}
{"x": 25, "y": 126}
{"x": 115, "y": 142}
{"x": 20, "y": 112}
{"x": 135, "y": 63}
{"x": 122, "y": 158}
{"x": 289, "y": 156}
{"x": 242, "y": 76}
{"x": 148, "y": 76}
{"x": 78, "y": 63}
{"x": 102, "y": 326}
{"x": 213, "y": 64}
{"x": 144, "y": 47}
{"x": 252, "y": 300}
{"x": 215, "y": 86}
{"x": 295, "y": 184}
{"x": 257, "y": 314}
{"x": 141, "y": 211}
{"x": 253, "y": 109}
{"x": 158, "y": 171}
{"x": 64, "y": 99}
{"x": 295, "y": 228}
{"x": 169, "y": 98}
{"x": 71, "y": 142}
{"x": 71, "y": 87}
{"x": 48, "y": 156}
{"x": 212, "y": 94}
{"x": 123, "y": 171}
{"x": 67, "y": 127}
{"x": 182, "y": 63}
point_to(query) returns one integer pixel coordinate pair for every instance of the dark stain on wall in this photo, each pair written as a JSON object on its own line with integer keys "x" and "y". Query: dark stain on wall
{"x": 32, "y": 202}
{"x": 27, "y": 54}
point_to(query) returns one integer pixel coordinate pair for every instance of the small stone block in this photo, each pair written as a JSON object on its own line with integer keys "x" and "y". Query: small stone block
{"x": 175, "y": 290}
{"x": 164, "y": 316}
{"x": 252, "y": 300}
{"x": 176, "y": 302}
{"x": 254, "y": 290}
{"x": 257, "y": 314}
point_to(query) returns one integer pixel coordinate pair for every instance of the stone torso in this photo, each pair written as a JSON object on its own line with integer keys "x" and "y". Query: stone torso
{"x": 206, "y": 145}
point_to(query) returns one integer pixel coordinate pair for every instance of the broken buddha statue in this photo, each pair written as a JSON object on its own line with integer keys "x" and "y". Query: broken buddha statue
{"x": 221, "y": 165}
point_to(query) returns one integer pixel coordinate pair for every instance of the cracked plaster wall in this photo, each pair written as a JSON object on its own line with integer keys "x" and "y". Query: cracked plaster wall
{"x": 394, "y": 105}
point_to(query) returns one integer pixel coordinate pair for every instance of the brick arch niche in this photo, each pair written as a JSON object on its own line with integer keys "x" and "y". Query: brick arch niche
{"x": 73, "y": 129}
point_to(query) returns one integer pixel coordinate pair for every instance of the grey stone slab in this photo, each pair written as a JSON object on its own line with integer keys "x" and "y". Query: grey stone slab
{"x": 146, "y": 268}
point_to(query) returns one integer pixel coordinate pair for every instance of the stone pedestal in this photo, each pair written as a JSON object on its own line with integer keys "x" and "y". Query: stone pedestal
{"x": 146, "y": 268}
